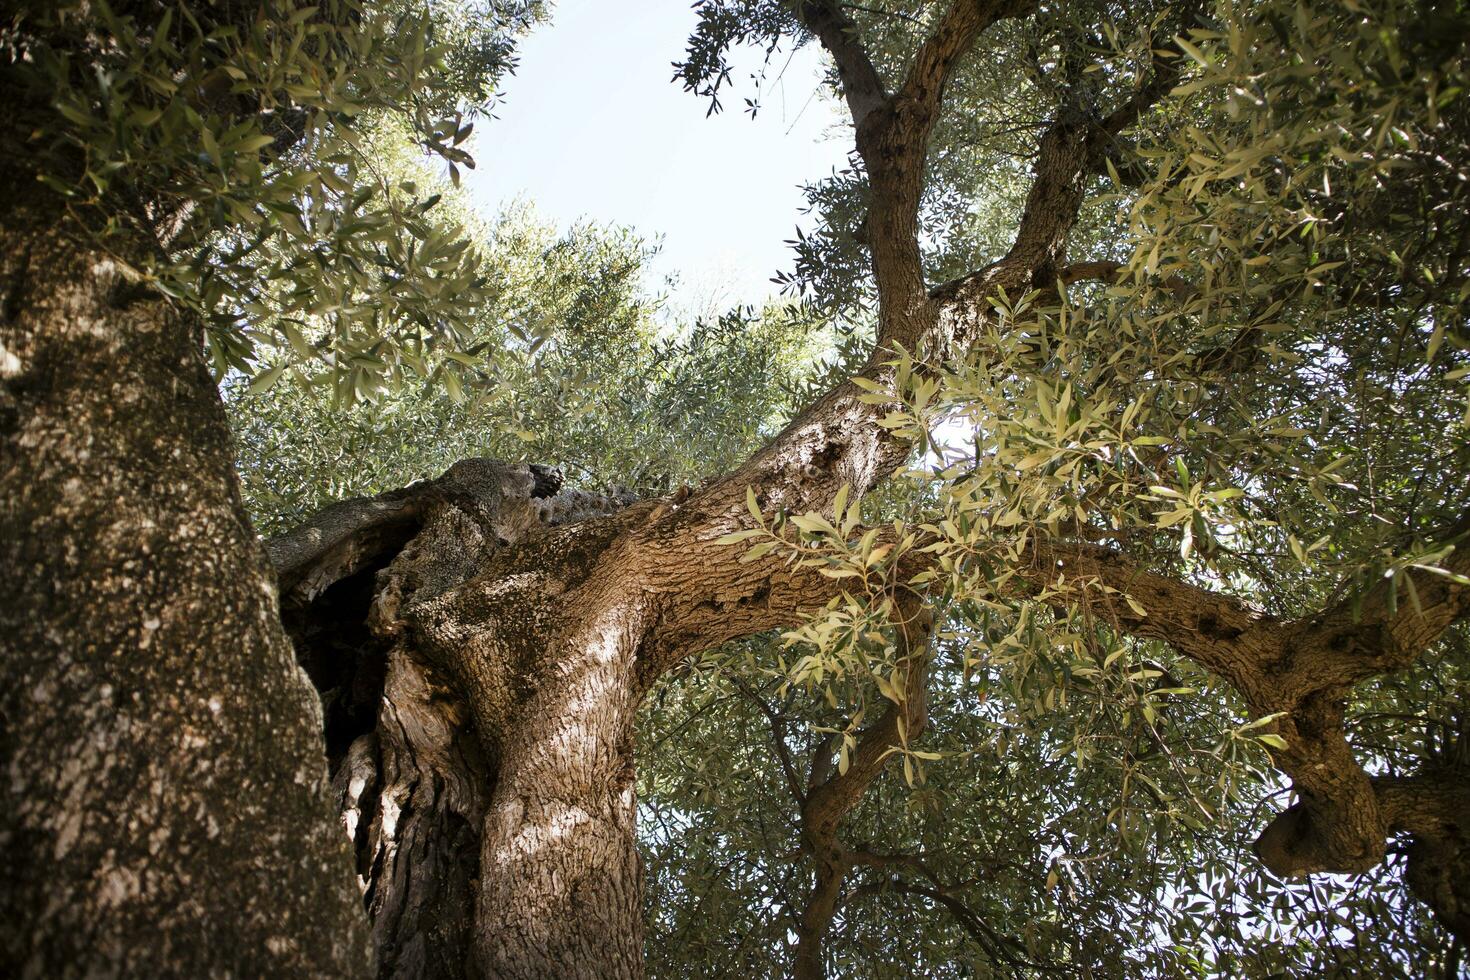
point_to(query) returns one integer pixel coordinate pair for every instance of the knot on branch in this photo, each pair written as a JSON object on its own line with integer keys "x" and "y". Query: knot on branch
{"x": 1439, "y": 876}
{"x": 548, "y": 480}
{"x": 1307, "y": 838}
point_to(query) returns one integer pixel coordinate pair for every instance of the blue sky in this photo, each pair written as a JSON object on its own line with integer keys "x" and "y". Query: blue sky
{"x": 592, "y": 127}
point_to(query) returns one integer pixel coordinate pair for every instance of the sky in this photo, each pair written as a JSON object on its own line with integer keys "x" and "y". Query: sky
{"x": 592, "y": 127}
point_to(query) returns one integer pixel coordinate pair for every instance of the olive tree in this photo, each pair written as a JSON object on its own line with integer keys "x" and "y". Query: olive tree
{"x": 1189, "y": 280}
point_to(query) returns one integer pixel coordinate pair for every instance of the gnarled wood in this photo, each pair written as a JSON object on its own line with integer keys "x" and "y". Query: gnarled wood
{"x": 488, "y": 788}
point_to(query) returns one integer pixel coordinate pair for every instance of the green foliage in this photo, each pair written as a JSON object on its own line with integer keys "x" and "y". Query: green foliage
{"x": 1269, "y": 399}
{"x": 1273, "y": 390}
{"x": 233, "y": 155}
{"x": 1088, "y": 801}
{"x": 606, "y": 389}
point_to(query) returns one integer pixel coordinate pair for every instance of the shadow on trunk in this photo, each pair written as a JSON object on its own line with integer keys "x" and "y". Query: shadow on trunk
{"x": 409, "y": 772}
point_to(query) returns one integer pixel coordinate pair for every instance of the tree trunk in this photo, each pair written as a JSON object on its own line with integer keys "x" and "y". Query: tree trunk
{"x": 477, "y": 664}
{"x": 562, "y": 885}
{"x": 165, "y": 807}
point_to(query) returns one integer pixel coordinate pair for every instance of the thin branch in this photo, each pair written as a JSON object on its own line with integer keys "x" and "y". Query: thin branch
{"x": 1109, "y": 271}
{"x": 1073, "y": 148}
{"x": 778, "y": 738}
{"x": 995, "y": 944}
{"x": 829, "y": 802}
{"x": 913, "y": 862}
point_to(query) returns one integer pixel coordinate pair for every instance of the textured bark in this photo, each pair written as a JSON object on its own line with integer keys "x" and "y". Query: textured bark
{"x": 480, "y": 678}
{"x": 481, "y": 642}
{"x": 1434, "y": 807}
{"x": 810, "y": 961}
{"x": 1302, "y": 671}
{"x": 165, "y": 806}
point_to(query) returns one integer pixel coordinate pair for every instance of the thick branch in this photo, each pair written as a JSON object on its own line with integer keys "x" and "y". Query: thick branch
{"x": 893, "y": 140}
{"x": 706, "y": 596}
{"x": 1382, "y": 631}
{"x": 861, "y": 84}
{"x": 1434, "y": 807}
{"x": 1337, "y": 824}
{"x": 1343, "y": 816}
{"x": 345, "y": 537}
{"x": 1217, "y": 631}
{"x": 942, "y": 51}
{"x": 1051, "y": 209}
{"x": 1302, "y": 670}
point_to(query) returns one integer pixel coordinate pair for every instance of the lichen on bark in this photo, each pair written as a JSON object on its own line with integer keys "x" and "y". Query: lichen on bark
{"x": 165, "y": 795}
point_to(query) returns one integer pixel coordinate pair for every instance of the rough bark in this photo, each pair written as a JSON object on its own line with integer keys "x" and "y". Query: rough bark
{"x": 166, "y": 809}
{"x": 1434, "y": 808}
{"x": 1302, "y": 672}
{"x": 481, "y": 643}
{"x": 479, "y": 669}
